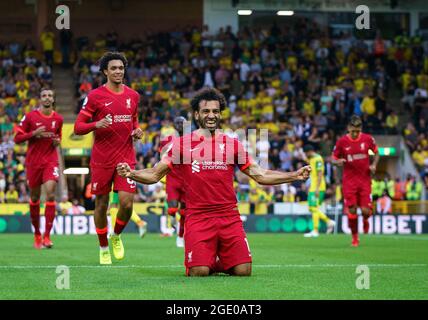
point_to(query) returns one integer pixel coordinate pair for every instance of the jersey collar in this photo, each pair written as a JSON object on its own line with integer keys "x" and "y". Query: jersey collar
{"x": 354, "y": 140}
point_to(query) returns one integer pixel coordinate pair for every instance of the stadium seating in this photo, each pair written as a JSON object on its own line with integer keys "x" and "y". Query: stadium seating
{"x": 301, "y": 87}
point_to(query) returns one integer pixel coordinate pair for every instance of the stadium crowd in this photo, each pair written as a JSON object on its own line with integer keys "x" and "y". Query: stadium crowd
{"x": 22, "y": 73}
{"x": 297, "y": 82}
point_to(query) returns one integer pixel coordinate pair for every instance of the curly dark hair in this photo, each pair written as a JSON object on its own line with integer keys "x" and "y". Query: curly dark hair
{"x": 208, "y": 94}
{"x": 355, "y": 121}
{"x": 108, "y": 56}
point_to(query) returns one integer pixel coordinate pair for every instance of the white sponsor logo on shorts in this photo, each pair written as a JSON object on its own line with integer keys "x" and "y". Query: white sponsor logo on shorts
{"x": 189, "y": 256}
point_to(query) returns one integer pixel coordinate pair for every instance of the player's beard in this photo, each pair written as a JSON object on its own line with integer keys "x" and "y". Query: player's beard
{"x": 203, "y": 123}
{"x": 47, "y": 104}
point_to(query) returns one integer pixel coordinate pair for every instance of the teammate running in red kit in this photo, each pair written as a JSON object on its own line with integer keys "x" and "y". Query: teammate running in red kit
{"x": 42, "y": 129}
{"x": 214, "y": 238}
{"x": 174, "y": 184}
{"x": 352, "y": 152}
{"x": 111, "y": 112}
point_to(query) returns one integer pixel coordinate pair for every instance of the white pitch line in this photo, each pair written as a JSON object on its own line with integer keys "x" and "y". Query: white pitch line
{"x": 255, "y": 266}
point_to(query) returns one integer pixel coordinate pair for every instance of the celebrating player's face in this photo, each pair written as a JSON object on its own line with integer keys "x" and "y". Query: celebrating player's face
{"x": 354, "y": 132}
{"x": 115, "y": 71}
{"x": 209, "y": 115}
{"x": 47, "y": 98}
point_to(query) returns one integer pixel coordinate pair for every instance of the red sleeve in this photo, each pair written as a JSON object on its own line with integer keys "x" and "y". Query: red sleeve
{"x": 242, "y": 159}
{"x": 338, "y": 150}
{"x": 23, "y": 132}
{"x": 81, "y": 126}
{"x": 372, "y": 144}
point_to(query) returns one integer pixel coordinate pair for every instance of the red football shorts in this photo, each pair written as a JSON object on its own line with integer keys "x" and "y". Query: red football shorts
{"x": 36, "y": 176}
{"x": 359, "y": 195}
{"x": 207, "y": 238}
{"x": 102, "y": 179}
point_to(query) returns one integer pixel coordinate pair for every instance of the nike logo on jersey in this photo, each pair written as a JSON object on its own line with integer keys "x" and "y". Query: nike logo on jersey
{"x": 38, "y": 123}
{"x": 108, "y": 103}
{"x": 348, "y": 148}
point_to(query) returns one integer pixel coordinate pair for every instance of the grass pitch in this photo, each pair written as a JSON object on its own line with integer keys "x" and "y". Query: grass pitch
{"x": 285, "y": 266}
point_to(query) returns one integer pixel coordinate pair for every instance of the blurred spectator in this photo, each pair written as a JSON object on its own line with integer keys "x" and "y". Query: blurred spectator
{"x": 413, "y": 189}
{"x": 88, "y": 197}
{"x": 11, "y": 194}
{"x": 47, "y": 38}
{"x": 76, "y": 208}
{"x": 399, "y": 189}
{"x": 64, "y": 205}
{"x": 392, "y": 123}
{"x": 159, "y": 194}
{"x": 384, "y": 204}
{"x": 65, "y": 38}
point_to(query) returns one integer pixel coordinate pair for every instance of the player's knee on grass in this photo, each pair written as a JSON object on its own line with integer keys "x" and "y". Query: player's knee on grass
{"x": 200, "y": 271}
{"x": 242, "y": 270}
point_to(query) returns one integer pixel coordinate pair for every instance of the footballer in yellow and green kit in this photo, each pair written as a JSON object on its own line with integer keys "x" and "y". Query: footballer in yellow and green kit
{"x": 114, "y": 203}
{"x": 316, "y": 193}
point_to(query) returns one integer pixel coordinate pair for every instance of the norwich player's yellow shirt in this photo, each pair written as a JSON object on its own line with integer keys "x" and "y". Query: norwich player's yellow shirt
{"x": 317, "y": 165}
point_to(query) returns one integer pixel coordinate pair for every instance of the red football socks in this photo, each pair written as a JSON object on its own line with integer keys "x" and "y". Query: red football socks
{"x": 49, "y": 216}
{"x": 353, "y": 223}
{"x": 119, "y": 226}
{"x": 102, "y": 236}
{"x": 35, "y": 216}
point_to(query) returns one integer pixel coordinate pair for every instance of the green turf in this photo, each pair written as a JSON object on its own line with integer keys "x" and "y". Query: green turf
{"x": 285, "y": 266}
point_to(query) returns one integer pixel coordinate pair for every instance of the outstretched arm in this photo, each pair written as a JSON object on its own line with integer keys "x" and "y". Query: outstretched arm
{"x": 146, "y": 176}
{"x": 273, "y": 177}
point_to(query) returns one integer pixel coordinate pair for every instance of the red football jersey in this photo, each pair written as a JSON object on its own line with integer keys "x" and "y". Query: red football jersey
{"x": 113, "y": 144}
{"x": 41, "y": 151}
{"x": 356, "y": 152}
{"x": 207, "y": 167}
